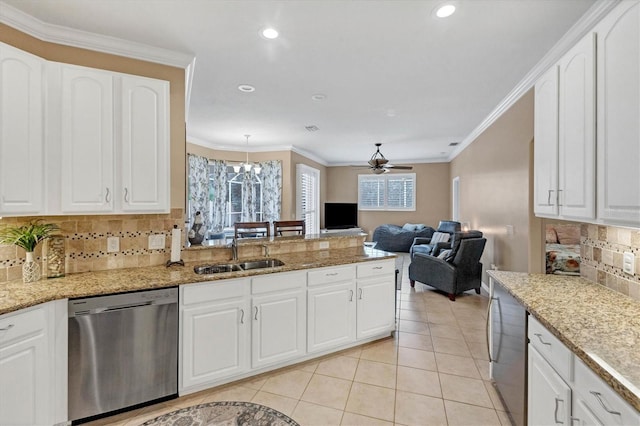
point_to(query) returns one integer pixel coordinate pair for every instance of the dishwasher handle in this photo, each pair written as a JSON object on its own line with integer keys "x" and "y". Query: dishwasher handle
{"x": 106, "y": 309}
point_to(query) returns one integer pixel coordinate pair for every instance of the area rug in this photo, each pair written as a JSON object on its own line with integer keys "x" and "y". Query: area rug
{"x": 224, "y": 413}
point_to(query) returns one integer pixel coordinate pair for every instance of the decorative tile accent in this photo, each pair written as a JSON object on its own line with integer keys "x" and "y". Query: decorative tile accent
{"x": 86, "y": 242}
{"x": 601, "y": 251}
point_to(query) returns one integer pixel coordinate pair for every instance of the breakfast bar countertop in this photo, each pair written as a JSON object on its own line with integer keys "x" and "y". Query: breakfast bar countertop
{"x": 15, "y": 295}
{"x": 600, "y": 326}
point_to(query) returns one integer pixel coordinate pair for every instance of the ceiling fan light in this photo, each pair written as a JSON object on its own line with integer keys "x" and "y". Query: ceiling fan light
{"x": 379, "y": 171}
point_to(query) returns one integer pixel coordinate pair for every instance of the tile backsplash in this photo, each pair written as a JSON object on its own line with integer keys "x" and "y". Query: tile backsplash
{"x": 86, "y": 242}
{"x": 601, "y": 250}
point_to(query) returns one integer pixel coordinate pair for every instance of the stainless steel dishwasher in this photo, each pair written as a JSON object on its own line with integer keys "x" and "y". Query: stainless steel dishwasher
{"x": 123, "y": 351}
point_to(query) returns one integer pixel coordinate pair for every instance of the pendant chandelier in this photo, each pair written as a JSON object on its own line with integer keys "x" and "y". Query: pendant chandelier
{"x": 247, "y": 166}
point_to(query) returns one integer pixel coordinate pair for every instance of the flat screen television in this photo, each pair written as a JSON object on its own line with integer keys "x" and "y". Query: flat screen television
{"x": 340, "y": 215}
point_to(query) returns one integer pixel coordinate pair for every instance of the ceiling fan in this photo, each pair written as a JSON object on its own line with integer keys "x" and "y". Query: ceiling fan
{"x": 378, "y": 164}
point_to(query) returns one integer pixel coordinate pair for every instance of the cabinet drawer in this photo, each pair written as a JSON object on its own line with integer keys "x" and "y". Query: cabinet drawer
{"x": 551, "y": 348}
{"x": 331, "y": 275}
{"x": 603, "y": 401}
{"x": 16, "y": 326}
{"x": 371, "y": 269}
{"x": 277, "y": 282}
{"x": 213, "y": 290}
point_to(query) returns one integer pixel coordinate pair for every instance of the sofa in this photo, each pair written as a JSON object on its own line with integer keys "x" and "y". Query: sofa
{"x": 399, "y": 238}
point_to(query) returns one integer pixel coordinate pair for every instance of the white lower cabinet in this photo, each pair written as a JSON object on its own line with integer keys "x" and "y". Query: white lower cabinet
{"x": 30, "y": 354}
{"x": 375, "y": 298}
{"x": 278, "y": 310}
{"x": 331, "y": 304}
{"x": 231, "y": 329}
{"x": 549, "y": 396}
{"x": 214, "y": 324}
{"x": 563, "y": 390}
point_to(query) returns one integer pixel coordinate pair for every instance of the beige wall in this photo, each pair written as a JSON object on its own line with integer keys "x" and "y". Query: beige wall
{"x": 495, "y": 188}
{"x": 433, "y": 196}
{"x": 88, "y": 58}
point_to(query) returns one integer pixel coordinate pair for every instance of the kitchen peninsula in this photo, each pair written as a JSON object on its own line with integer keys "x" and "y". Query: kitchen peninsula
{"x": 331, "y": 293}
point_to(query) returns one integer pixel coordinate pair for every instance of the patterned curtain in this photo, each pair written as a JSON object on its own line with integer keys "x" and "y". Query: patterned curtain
{"x": 199, "y": 188}
{"x": 248, "y": 196}
{"x": 218, "y": 191}
{"x": 271, "y": 175}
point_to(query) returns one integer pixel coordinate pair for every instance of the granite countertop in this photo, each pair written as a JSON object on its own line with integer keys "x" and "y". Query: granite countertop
{"x": 15, "y": 295}
{"x": 600, "y": 326}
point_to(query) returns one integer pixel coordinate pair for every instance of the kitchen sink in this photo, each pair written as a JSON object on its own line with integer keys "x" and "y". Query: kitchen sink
{"x": 259, "y": 264}
{"x": 216, "y": 269}
{"x": 242, "y": 266}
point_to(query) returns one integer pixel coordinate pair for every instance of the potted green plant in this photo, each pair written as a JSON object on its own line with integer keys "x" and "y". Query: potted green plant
{"x": 28, "y": 237}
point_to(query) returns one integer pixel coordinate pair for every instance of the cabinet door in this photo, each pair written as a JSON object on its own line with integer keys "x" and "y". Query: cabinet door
{"x": 331, "y": 316}
{"x": 545, "y": 151}
{"x": 215, "y": 339}
{"x": 618, "y": 82}
{"x": 549, "y": 396}
{"x": 582, "y": 416}
{"x": 87, "y": 140}
{"x": 375, "y": 306}
{"x": 24, "y": 371}
{"x": 279, "y": 327}
{"x": 576, "y": 139}
{"x": 145, "y": 145}
{"x": 21, "y": 134}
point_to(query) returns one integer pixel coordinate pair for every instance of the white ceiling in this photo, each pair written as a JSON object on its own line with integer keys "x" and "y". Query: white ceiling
{"x": 391, "y": 72}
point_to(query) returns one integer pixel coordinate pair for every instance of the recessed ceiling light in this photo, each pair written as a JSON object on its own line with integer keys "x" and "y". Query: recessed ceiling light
{"x": 319, "y": 97}
{"x": 391, "y": 113}
{"x": 270, "y": 33}
{"x": 247, "y": 88}
{"x": 445, "y": 10}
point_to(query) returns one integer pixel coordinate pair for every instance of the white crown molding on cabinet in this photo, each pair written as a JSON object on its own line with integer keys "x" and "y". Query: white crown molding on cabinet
{"x": 575, "y": 33}
{"x": 70, "y": 37}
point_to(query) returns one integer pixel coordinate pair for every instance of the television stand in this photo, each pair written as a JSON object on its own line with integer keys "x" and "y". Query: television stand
{"x": 345, "y": 231}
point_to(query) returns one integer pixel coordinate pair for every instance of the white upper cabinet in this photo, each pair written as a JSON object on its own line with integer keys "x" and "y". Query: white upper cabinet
{"x": 564, "y": 152}
{"x": 618, "y": 68}
{"x": 546, "y": 144}
{"x": 21, "y": 134}
{"x": 577, "y": 132}
{"x": 106, "y": 144}
{"x": 145, "y": 145}
{"x": 87, "y": 140}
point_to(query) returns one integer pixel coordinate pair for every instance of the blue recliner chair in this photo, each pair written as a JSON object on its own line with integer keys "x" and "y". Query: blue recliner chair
{"x": 426, "y": 246}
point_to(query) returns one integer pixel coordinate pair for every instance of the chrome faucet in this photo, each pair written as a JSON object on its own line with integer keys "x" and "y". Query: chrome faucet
{"x": 234, "y": 249}
{"x": 266, "y": 250}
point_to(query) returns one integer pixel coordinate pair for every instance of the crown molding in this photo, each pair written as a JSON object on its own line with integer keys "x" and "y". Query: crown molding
{"x": 85, "y": 40}
{"x": 568, "y": 40}
{"x": 268, "y": 148}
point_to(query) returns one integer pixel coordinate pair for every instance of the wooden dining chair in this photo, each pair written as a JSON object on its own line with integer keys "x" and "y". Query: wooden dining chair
{"x": 251, "y": 229}
{"x": 288, "y": 227}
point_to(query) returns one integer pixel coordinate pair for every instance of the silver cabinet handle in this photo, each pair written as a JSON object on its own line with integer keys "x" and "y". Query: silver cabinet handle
{"x": 539, "y": 336}
{"x": 333, "y": 274}
{"x": 487, "y": 327}
{"x": 107, "y": 197}
{"x": 350, "y": 295}
{"x": 256, "y": 315}
{"x": 598, "y": 396}
{"x": 126, "y": 195}
{"x": 377, "y": 267}
{"x": 360, "y": 294}
{"x": 241, "y": 316}
{"x": 555, "y": 412}
{"x": 7, "y": 328}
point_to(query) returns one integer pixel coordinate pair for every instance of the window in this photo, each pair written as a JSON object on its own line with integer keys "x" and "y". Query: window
{"x": 387, "y": 192}
{"x": 308, "y": 197}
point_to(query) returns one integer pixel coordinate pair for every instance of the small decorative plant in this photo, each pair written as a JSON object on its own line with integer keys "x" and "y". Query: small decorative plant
{"x": 28, "y": 237}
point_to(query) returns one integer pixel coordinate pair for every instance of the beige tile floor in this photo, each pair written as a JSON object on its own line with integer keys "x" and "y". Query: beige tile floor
{"x": 434, "y": 371}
